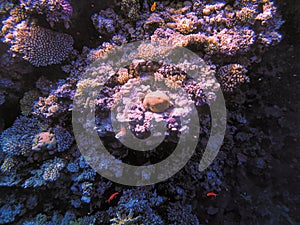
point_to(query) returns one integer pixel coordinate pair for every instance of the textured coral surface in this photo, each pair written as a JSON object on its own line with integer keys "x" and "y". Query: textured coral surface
{"x": 55, "y": 51}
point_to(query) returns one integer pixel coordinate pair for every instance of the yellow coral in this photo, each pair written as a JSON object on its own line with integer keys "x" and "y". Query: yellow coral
{"x": 123, "y": 75}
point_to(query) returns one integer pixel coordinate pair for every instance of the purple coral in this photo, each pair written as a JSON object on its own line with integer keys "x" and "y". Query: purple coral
{"x": 232, "y": 41}
{"x": 105, "y": 21}
{"x": 55, "y": 10}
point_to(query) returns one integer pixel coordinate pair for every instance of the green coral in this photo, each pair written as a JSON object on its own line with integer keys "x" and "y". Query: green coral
{"x": 26, "y": 102}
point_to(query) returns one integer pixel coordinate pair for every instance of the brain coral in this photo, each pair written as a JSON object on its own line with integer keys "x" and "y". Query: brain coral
{"x": 39, "y": 46}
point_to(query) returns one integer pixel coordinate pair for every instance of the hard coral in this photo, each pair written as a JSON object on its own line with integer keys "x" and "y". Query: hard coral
{"x": 17, "y": 139}
{"x": 44, "y": 140}
{"x": 55, "y": 10}
{"x": 27, "y": 101}
{"x": 5, "y": 6}
{"x": 156, "y": 101}
{"x": 39, "y": 46}
{"x": 135, "y": 202}
{"x": 232, "y": 75}
{"x": 131, "y": 8}
{"x": 231, "y": 41}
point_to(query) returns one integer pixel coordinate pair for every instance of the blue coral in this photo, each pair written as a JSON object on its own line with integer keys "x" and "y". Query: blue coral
{"x": 72, "y": 167}
{"x": 64, "y": 139}
{"x": 9, "y": 212}
{"x": 54, "y": 219}
{"x": 48, "y": 172}
{"x": 215, "y": 29}
{"x": 17, "y": 140}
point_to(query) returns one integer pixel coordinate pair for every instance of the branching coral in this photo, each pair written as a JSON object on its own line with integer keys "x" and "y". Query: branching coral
{"x": 232, "y": 75}
{"x": 17, "y": 140}
{"x": 231, "y": 41}
{"x": 55, "y": 10}
{"x": 137, "y": 206}
{"x": 146, "y": 100}
{"x": 48, "y": 172}
{"x": 69, "y": 218}
{"x": 105, "y": 21}
{"x": 125, "y": 219}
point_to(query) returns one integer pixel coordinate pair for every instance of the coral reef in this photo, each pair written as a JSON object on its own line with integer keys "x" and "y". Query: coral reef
{"x": 27, "y": 101}
{"x": 156, "y": 102}
{"x": 45, "y": 177}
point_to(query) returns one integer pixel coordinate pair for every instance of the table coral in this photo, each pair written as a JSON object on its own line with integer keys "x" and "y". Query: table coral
{"x": 39, "y": 46}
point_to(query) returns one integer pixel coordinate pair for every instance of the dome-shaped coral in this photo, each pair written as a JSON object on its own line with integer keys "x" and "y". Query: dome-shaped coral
{"x": 156, "y": 101}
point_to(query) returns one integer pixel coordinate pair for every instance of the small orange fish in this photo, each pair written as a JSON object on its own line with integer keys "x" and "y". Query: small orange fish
{"x": 153, "y": 7}
{"x": 211, "y": 194}
{"x": 112, "y": 196}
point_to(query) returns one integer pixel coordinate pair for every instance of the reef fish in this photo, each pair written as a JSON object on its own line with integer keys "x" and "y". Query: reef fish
{"x": 211, "y": 194}
{"x": 112, "y": 196}
{"x": 153, "y": 7}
